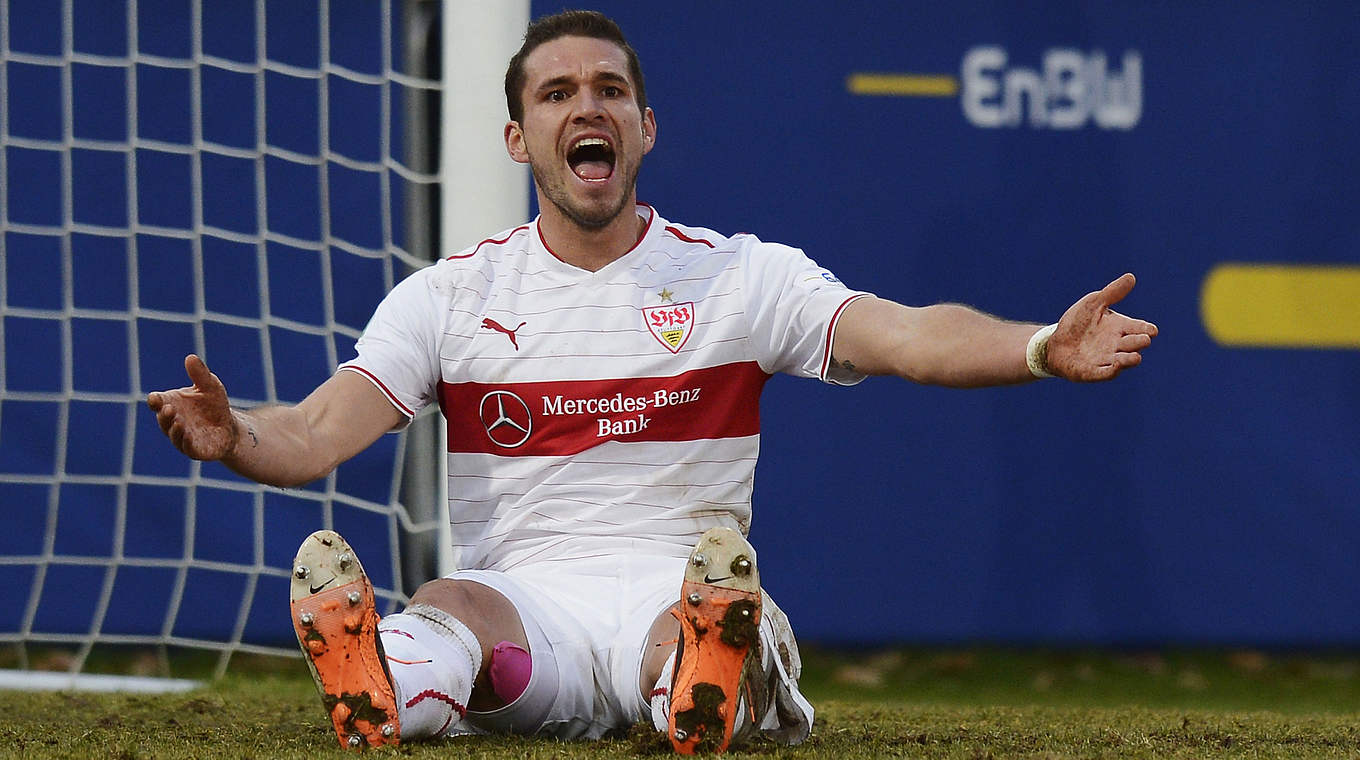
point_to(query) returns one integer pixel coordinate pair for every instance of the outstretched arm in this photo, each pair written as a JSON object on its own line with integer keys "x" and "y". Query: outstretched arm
{"x": 954, "y": 345}
{"x": 277, "y": 445}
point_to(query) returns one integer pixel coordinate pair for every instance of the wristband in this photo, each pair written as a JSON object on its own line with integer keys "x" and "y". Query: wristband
{"x": 1036, "y": 353}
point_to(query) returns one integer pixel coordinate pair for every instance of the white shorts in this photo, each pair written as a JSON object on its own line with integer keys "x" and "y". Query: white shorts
{"x": 587, "y": 622}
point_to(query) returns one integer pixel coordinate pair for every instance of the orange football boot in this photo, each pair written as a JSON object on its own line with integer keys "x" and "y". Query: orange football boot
{"x": 717, "y": 659}
{"x": 336, "y": 622}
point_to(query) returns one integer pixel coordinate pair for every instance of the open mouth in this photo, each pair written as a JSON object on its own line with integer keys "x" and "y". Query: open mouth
{"x": 592, "y": 159}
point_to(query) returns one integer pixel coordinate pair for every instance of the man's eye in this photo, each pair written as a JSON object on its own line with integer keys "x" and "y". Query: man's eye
{"x": 611, "y": 92}
{"x": 557, "y": 96}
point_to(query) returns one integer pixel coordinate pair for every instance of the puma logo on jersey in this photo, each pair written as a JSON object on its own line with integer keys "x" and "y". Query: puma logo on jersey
{"x": 492, "y": 324}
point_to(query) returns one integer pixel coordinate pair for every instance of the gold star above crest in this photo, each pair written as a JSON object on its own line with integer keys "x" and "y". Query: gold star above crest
{"x": 666, "y": 295}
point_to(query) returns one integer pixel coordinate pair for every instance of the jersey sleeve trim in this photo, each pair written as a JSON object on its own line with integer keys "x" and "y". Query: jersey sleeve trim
{"x": 372, "y": 378}
{"x": 830, "y": 339}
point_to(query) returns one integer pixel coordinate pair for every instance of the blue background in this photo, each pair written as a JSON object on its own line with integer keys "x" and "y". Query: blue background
{"x": 1208, "y": 497}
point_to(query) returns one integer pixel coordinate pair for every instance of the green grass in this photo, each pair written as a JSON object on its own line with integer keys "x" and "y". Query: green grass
{"x": 967, "y": 703}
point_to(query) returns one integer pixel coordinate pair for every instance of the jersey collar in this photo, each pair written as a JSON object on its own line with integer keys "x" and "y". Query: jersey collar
{"x": 653, "y": 228}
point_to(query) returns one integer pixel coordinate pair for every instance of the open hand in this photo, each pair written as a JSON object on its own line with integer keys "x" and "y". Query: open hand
{"x": 1094, "y": 342}
{"x": 198, "y": 418}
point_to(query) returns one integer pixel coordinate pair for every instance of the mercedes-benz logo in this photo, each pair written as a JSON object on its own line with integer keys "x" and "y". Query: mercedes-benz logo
{"x": 506, "y": 418}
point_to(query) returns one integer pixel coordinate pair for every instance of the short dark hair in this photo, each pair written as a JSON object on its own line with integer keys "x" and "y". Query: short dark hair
{"x": 568, "y": 24}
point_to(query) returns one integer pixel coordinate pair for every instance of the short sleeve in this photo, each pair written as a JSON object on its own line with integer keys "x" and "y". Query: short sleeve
{"x": 398, "y": 350}
{"x": 793, "y": 305}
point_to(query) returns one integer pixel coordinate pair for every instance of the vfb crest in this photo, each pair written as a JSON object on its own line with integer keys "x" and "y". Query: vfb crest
{"x": 671, "y": 324}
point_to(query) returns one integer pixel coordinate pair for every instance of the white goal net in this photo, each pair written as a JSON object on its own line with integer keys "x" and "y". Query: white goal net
{"x": 243, "y": 180}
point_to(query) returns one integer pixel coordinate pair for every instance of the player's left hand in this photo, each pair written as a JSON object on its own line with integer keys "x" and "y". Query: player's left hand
{"x": 1094, "y": 342}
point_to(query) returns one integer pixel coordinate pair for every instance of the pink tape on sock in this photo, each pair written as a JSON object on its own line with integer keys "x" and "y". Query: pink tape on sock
{"x": 510, "y": 669}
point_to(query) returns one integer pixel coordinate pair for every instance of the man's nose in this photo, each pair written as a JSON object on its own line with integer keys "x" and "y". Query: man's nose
{"x": 589, "y": 106}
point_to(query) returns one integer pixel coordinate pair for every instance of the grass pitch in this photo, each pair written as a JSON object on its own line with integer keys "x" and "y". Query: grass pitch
{"x": 968, "y": 704}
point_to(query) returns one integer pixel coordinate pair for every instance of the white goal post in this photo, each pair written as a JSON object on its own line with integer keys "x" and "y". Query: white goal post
{"x": 487, "y": 32}
{"x": 176, "y": 177}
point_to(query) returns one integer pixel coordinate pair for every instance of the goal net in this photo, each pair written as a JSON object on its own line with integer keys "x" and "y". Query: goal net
{"x": 243, "y": 180}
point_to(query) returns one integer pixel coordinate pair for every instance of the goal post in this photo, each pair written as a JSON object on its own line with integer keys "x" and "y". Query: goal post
{"x": 179, "y": 176}
{"x": 481, "y": 189}
{"x": 484, "y": 191}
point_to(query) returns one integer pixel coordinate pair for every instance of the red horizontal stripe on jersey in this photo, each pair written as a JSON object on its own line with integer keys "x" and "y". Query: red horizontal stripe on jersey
{"x": 567, "y": 417}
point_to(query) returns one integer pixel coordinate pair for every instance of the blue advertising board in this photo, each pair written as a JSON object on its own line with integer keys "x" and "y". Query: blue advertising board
{"x": 1015, "y": 156}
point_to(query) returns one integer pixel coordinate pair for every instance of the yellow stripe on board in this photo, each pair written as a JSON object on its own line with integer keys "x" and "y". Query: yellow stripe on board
{"x": 1282, "y": 305}
{"x": 907, "y": 85}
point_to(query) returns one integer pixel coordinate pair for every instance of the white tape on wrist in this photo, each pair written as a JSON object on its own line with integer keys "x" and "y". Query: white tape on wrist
{"x": 1036, "y": 353}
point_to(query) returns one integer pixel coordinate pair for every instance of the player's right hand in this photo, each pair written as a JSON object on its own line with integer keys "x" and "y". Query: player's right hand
{"x": 198, "y": 419}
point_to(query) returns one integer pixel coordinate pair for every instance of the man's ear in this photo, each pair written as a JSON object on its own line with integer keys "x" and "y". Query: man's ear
{"x": 648, "y": 130}
{"x": 514, "y": 143}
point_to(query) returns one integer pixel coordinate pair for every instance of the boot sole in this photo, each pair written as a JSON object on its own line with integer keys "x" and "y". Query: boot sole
{"x": 336, "y": 622}
{"x": 719, "y": 612}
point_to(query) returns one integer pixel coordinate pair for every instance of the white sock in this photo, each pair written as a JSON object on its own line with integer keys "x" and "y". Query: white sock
{"x": 660, "y": 698}
{"x": 434, "y": 659}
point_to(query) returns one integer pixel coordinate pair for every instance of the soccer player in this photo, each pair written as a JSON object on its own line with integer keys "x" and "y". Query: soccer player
{"x": 599, "y": 368}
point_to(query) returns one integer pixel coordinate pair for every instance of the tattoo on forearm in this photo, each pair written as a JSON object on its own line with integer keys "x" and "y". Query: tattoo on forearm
{"x": 254, "y": 439}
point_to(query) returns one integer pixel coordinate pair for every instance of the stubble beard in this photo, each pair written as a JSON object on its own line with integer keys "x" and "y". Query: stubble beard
{"x": 587, "y": 218}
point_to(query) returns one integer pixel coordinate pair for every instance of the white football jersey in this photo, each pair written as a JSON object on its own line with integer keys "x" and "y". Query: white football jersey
{"x": 601, "y": 412}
